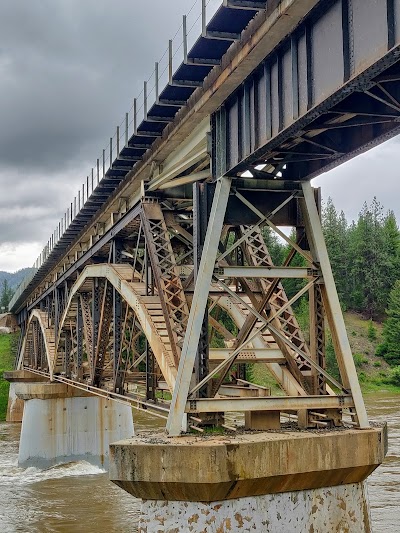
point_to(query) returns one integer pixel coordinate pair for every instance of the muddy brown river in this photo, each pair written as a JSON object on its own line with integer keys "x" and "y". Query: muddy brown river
{"x": 79, "y": 498}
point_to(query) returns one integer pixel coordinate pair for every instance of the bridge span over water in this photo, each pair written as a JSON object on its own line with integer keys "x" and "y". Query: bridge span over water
{"x": 157, "y": 288}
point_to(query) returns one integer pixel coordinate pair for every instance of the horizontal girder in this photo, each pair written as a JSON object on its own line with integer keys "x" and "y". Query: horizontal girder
{"x": 329, "y": 91}
{"x": 220, "y": 405}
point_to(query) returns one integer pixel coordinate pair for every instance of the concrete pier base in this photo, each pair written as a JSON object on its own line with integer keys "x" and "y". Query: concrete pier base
{"x": 303, "y": 481}
{"x": 15, "y": 407}
{"x": 63, "y": 424}
{"x": 327, "y": 510}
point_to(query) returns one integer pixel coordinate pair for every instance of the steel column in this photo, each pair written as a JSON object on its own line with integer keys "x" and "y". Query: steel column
{"x": 201, "y": 211}
{"x": 79, "y": 340}
{"x": 332, "y": 305}
{"x": 199, "y": 303}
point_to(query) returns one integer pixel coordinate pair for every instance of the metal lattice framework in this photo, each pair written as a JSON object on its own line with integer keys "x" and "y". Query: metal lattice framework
{"x": 125, "y": 327}
{"x": 162, "y": 291}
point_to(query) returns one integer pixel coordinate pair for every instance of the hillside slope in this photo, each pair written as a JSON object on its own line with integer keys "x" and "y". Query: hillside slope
{"x": 364, "y": 336}
{"x": 14, "y": 278}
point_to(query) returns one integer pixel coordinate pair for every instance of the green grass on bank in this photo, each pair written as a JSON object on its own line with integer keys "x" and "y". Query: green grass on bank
{"x": 7, "y": 350}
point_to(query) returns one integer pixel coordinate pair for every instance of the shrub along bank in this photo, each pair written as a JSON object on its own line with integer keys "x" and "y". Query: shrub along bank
{"x": 7, "y": 351}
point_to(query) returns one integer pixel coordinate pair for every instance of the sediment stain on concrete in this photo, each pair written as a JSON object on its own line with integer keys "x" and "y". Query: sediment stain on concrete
{"x": 341, "y": 509}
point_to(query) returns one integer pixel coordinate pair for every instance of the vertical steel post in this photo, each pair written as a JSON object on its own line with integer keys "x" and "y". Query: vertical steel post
{"x": 79, "y": 340}
{"x": 156, "y": 82}
{"x": 201, "y": 212}
{"x": 317, "y": 337}
{"x": 96, "y": 303}
{"x": 170, "y": 62}
{"x": 189, "y": 351}
{"x": 67, "y": 355}
{"x": 151, "y": 381}
{"x": 134, "y": 116}
{"x": 117, "y": 325}
{"x": 203, "y": 17}
{"x": 150, "y": 377}
{"x": 332, "y": 305}
{"x": 185, "y": 39}
{"x": 145, "y": 100}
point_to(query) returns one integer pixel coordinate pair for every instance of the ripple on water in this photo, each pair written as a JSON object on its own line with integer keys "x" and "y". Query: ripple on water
{"x": 384, "y": 484}
{"x": 66, "y": 498}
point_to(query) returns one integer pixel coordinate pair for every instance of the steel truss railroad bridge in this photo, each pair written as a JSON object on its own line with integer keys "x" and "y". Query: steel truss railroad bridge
{"x": 131, "y": 289}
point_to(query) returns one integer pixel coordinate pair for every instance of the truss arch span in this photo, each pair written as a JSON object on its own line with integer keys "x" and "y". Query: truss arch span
{"x": 147, "y": 310}
{"x": 38, "y": 347}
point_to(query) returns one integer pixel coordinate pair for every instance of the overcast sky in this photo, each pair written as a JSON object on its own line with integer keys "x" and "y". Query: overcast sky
{"x": 69, "y": 70}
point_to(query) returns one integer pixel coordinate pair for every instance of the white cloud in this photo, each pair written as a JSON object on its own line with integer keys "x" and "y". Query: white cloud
{"x": 15, "y": 257}
{"x": 375, "y": 173}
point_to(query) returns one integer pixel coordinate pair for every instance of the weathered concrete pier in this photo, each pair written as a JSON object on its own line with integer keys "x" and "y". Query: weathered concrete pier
{"x": 61, "y": 423}
{"x": 291, "y": 481}
{"x": 15, "y": 407}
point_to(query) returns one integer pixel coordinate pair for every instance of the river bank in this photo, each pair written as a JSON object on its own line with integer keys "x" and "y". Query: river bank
{"x": 7, "y": 355}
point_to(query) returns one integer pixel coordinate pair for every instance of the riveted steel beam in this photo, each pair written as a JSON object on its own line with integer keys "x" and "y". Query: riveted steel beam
{"x": 220, "y": 405}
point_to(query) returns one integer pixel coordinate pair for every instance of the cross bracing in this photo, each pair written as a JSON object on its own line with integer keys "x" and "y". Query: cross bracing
{"x": 138, "y": 298}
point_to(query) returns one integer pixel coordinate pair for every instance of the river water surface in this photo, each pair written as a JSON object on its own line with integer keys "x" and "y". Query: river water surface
{"x": 79, "y": 497}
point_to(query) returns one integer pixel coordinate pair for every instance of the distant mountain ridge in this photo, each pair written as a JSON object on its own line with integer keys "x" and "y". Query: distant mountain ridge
{"x": 15, "y": 278}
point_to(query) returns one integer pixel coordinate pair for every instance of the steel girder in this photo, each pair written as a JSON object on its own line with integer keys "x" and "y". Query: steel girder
{"x": 328, "y": 92}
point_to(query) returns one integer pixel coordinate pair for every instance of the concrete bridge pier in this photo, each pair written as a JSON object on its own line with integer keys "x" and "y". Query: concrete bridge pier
{"x": 62, "y": 424}
{"x": 306, "y": 482}
{"x": 15, "y": 407}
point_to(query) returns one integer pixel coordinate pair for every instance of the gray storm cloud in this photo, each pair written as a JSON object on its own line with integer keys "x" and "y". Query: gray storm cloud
{"x": 68, "y": 72}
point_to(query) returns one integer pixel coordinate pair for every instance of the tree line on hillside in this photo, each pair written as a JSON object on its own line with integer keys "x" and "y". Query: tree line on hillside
{"x": 365, "y": 259}
{"x": 14, "y": 278}
{"x": 9, "y": 282}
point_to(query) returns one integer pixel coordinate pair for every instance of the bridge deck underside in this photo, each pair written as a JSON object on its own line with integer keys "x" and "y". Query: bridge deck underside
{"x": 330, "y": 91}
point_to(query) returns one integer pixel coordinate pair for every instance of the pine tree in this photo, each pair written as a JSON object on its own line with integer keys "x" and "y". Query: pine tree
{"x": 5, "y": 296}
{"x": 335, "y": 229}
{"x": 390, "y": 348}
{"x": 392, "y": 246}
{"x": 370, "y": 264}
